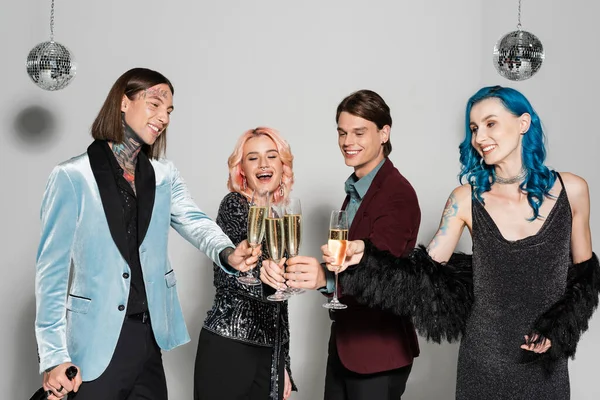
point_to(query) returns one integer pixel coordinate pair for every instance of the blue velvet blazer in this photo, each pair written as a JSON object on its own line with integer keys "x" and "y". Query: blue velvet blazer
{"x": 81, "y": 285}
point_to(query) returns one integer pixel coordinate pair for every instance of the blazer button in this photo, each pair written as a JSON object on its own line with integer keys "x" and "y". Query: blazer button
{"x": 125, "y": 275}
{"x": 121, "y": 307}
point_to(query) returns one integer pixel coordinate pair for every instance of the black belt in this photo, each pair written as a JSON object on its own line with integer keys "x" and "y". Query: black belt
{"x": 143, "y": 317}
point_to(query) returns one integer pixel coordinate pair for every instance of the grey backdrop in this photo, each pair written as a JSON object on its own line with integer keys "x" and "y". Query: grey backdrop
{"x": 239, "y": 64}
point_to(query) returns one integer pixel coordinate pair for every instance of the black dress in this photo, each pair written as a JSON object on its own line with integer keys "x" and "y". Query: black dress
{"x": 514, "y": 282}
{"x": 242, "y": 313}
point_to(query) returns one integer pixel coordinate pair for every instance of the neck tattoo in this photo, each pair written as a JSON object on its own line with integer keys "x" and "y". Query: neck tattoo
{"x": 127, "y": 152}
{"x": 515, "y": 179}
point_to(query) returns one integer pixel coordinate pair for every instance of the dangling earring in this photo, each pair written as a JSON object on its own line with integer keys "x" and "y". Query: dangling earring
{"x": 243, "y": 183}
{"x": 281, "y": 193}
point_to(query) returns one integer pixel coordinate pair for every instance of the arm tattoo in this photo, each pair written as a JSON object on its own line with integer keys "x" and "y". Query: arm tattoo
{"x": 450, "y": 211}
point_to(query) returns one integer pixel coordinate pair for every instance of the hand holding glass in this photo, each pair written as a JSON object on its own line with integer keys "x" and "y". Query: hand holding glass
{"x": 338, "y": 240}
{"x": 275, "y": 233}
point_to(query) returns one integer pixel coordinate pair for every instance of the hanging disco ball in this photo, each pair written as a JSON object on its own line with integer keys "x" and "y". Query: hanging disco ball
{"x": 50, "y": 65}
{"x": 518, "y": 55}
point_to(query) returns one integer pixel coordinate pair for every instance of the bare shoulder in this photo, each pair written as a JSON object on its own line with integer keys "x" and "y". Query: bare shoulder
{"x": 461, "y": 196}
{"x": 459, "y": 203}
{"x": 575, "y": 186}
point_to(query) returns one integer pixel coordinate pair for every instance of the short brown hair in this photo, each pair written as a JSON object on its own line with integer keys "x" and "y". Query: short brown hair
{"x": 368, "y": 105}
{"x": 108, "y": 125}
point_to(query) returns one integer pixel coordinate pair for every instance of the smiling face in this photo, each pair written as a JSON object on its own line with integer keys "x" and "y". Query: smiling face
{"x": 361, "y": 142}
{"x": 148, "y": 113}
{"x": 496, "y": 132}
{"x": 261, "y": 164}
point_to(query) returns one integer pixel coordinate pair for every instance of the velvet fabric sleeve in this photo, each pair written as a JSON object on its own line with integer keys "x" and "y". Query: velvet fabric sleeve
{"x": 194, "y": 225}
{"x": 438, "y": 296}
{"x": 59, "y": 213}
{"x": 566, "y": 320}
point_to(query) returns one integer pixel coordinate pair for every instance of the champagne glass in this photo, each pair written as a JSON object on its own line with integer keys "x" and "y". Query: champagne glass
{"x": 338, "y": 240}
{"x": 275, "y": 234}
{"x": 256, "y": 230}
{"x": 293, "y": 232}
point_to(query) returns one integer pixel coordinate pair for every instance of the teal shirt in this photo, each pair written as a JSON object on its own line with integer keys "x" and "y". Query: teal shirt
{"x": 356, "y": 189}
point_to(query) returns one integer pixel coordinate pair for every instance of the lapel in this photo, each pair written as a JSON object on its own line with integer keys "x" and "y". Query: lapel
{"x": 373, "y": 189}
{"x": 109, "y": 194}
{"x": 145, "y": 185}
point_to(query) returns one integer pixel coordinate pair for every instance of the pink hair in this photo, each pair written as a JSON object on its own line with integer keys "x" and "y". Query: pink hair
{"x": 235, "y": 181}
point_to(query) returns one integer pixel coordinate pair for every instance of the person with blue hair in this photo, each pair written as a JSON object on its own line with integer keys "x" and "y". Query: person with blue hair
{"x": 520, "y": 303}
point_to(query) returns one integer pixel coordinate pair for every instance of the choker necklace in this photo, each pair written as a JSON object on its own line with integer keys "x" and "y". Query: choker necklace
{"x": 515, "y": 179}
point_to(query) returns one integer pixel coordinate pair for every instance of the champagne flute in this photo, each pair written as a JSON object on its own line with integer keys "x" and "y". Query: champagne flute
{"x": 338, "y": 240}
{"x": 275, "y": 234}
{"x": 293, "y": 232}
{"x": 256, "y": 230}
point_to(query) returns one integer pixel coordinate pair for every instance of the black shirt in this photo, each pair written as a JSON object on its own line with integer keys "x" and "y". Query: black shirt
{"x": 138, "y": 301}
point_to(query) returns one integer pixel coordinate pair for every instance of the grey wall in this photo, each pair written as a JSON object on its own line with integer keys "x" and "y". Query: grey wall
{"x": 236, "y": 65}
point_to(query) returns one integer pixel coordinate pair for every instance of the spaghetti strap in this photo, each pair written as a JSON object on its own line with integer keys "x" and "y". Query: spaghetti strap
{"x": 560, "y": 179}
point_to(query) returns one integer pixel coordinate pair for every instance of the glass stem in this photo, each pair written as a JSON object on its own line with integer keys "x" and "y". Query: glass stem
{"x": 249, "y": 272}
{"x": 279, "y": 290}
{"x": 335, "y": 298}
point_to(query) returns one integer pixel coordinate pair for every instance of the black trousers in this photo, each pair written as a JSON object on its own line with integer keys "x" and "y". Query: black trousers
{"x": 230, "y": 370}
{"x": 135, "y": 371}
{"x": 343, "y": 384}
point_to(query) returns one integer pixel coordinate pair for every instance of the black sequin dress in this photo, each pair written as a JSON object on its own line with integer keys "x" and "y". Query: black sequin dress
{"x": 242, "y": 312}
{"x": 514, "y": 283}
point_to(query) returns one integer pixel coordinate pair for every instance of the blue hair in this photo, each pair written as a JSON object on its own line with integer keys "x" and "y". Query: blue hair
{"x": 539, "y": 178}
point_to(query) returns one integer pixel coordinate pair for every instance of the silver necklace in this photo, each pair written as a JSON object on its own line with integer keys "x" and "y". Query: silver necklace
{"x": 509, "y": 181}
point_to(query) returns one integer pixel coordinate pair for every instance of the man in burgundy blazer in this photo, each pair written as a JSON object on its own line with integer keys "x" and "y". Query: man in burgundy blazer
{"x": 371, "y": 342}
{"x": 370, "y": 351}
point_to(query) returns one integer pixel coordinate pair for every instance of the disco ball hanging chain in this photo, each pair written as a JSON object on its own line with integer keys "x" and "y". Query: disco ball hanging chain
{"x": 50, "y": 65}
{"x": 518, "y": 55}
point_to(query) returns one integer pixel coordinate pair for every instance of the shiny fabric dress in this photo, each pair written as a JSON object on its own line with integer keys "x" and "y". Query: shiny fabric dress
{"x": 242, "y": 312}
{"x": 514, "y": 283}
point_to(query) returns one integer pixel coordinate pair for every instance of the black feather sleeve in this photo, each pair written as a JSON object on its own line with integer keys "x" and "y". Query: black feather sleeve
{"x": 437, "y": 296}
{"x": 566, "y": 320}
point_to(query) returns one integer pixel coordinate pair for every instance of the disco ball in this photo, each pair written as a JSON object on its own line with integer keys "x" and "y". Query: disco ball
{"x": 50, "y": 65}
{"x": 518, "y": 55}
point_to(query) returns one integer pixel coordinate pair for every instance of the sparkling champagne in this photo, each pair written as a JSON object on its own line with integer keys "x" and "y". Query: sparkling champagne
{"x": 338, "y": 239}
{"x": 256, "y": 224}
{"x": 275, "y": 237}
{"x": 293, "y": 233}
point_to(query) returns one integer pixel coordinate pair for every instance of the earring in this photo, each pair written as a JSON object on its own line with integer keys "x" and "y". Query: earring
{"x": 244, "y": 184}
{"x": 281, "y": 193}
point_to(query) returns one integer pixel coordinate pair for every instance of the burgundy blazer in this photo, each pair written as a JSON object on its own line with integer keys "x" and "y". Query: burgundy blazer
{"x": 370, "y": 340}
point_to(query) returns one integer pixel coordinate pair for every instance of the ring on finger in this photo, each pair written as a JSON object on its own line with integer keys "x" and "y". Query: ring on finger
{"x": 60, "y": 389}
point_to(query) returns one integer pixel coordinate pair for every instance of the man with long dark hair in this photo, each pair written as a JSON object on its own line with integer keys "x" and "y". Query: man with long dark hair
{"x": 106, "y": 293}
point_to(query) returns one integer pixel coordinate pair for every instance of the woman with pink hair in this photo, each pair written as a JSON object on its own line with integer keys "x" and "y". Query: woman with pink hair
{"x": 243, "y": 350}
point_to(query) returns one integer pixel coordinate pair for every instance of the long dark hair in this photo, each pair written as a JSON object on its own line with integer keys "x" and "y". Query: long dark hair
{"x": 108, "y": 125}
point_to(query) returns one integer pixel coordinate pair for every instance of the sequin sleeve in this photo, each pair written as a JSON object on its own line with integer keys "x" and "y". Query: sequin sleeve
{"x": 232, "y": 217}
